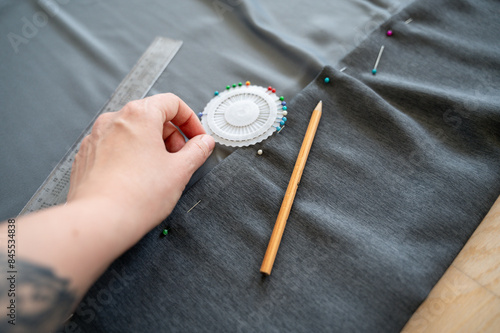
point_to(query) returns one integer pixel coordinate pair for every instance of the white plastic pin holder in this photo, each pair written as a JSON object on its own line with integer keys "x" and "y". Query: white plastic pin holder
{"x": 244, "y": 115}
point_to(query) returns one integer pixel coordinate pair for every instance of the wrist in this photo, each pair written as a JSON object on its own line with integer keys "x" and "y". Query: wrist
{"x": 79, "y": 240}
{"x": 111, "y": 222}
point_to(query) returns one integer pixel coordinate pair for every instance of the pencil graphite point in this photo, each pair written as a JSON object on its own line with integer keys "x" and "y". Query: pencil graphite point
{"x": 319, "y": 107}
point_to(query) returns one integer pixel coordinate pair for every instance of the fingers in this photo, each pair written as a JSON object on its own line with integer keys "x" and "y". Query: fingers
{"x": 191, "y": 126}
{"x": 195, "y": 152}
{"x": 159, "y": 111}
{"x": 174, "y": 142}
{"x": 173, "y": 109}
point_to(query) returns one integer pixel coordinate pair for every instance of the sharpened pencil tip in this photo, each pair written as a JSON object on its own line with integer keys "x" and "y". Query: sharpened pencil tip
{"x": 319, "y": 107}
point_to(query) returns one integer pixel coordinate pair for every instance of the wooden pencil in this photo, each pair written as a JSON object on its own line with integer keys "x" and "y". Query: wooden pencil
{"x": 286, "y": 206}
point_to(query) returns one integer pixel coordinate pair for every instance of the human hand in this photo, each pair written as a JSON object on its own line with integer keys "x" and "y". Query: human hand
{"x": 137, "y": 162}
{"x": 127, "y": 176}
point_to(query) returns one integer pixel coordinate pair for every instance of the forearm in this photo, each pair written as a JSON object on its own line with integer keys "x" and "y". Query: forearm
{"x": 89, "y": 236}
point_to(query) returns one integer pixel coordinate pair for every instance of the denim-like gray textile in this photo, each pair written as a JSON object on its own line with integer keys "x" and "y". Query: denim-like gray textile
{"x": 404, "y": 166}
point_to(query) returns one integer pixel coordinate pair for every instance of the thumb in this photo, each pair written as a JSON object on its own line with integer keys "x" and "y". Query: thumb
{"x": 195, "y": 152}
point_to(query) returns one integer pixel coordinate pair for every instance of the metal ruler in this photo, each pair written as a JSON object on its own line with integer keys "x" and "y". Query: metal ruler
{"x": 134, "y": 86}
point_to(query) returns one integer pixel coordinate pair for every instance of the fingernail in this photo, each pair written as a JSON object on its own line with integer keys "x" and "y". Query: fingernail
{"x": 209, "y": 141}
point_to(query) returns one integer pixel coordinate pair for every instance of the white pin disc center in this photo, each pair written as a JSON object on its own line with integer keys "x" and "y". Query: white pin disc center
{"x": 242, "y": 113}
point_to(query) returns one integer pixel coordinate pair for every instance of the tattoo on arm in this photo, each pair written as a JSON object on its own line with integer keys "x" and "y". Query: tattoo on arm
{"x": 33, "y": 298}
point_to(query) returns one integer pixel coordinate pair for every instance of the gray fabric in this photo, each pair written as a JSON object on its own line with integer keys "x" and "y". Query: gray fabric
{"x": 403, "y": 168}
{"x": 70, "y": 55}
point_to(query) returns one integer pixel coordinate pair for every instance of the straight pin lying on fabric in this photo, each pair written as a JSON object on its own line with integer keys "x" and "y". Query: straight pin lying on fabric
{"x": 374, "y": 70}
{"x": 196, "y": 204}
{"x": 286, "y": 206}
